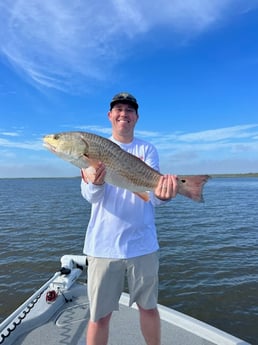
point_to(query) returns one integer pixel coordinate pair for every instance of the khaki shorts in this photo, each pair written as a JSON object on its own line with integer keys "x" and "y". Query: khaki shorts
{"x": 106, "y": 279}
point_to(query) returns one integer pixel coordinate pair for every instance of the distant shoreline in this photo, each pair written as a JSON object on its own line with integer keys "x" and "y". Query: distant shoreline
{"x": 234, "y": 175}
{"x": 239, "y": 175}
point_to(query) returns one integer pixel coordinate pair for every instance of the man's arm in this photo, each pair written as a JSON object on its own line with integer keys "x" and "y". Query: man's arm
{"x": 93, "y": 183}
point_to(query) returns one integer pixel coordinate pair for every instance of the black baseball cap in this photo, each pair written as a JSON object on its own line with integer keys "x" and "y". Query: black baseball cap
{"x": 126, "y": 98}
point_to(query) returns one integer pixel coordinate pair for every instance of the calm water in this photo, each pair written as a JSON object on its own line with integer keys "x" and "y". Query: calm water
{"x": 209, "y": 252}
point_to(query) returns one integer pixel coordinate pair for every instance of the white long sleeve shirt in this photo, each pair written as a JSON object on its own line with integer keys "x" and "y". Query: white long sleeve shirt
{"x": 121, "y": 224}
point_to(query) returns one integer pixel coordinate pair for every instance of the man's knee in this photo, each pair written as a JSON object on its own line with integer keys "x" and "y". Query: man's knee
{"x": 149, "y": 312}
{"x": 102, "y": 322}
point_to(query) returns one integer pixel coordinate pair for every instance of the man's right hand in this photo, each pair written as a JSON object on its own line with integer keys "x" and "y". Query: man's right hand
{"x": 95, "y": 175}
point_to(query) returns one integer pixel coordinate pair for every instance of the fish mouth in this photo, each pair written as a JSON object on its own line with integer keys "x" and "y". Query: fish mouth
{"x": 47, "y": 145}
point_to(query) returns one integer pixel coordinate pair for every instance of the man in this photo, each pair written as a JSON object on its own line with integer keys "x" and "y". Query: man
{"x": 121, "y": 237}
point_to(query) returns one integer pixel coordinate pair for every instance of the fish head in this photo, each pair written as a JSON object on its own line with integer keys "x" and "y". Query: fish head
{"x": 69, "y": 146}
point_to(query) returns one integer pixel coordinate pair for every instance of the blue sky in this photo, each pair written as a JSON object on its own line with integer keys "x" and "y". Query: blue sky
{"x": 192, "y": 65}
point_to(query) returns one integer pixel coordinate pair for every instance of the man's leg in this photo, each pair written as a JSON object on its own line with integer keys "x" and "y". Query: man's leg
{"x": 97, "y": 332}
{"x": 105, "y": 285}
{"x": 150, "y": 325}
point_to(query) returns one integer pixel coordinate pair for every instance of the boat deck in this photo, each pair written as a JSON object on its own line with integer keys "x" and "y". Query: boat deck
{"x": 68, "y": 324}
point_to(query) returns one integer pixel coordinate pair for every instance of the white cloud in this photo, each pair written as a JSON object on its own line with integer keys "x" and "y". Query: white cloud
{"x": 62, "y": 45}
{"x": 10, "y": 134}
{"x": 209, "y": 140}
{"x": 236, "y": 132}
{"x": 223, "y": 150}
{"x": 95, "y": 129}
{"x": 35, "y": 145}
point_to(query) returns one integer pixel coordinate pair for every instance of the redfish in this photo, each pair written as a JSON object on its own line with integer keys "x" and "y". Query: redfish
{"x": 123, "y": 169}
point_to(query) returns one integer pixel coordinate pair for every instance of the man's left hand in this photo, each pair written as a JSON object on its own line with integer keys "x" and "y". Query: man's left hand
{"x": 167, "y": 187}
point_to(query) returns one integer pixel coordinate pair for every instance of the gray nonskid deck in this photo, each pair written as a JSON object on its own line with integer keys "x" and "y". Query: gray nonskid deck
{"x": 125, "y": 330}
{"x": 68, "y": 325}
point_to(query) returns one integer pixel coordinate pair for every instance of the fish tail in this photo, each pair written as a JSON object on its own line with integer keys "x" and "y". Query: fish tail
{"x": 192, "y": 186}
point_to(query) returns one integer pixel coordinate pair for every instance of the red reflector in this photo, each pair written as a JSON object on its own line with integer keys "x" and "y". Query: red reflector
{"x": 51, "y": 296}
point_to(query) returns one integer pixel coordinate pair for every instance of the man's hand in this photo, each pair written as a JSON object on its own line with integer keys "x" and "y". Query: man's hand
{"x": 95, "y": 175}
{"x": 167, "y": 187}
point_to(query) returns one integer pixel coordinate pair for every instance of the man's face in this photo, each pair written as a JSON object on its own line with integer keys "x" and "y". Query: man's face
{"x": 123, "y": 118}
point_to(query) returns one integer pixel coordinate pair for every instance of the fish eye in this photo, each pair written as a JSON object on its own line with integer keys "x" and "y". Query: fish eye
{"x": 56, "y": 136}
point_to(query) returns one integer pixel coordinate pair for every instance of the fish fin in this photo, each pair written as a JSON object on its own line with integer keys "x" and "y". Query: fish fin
{"x": 143, "y": 195}
{"x": 91, "y": 162}
{"x": 192, "y": 186}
